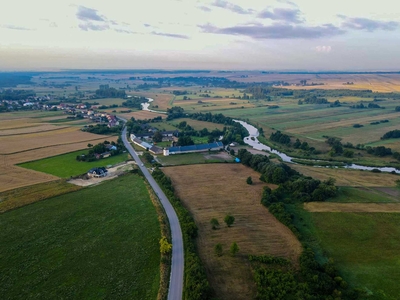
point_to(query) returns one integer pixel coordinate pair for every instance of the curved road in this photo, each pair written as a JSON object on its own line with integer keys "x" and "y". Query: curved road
{"x": 176, "y": 277}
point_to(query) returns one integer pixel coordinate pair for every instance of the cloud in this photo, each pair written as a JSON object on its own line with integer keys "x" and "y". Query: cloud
{"x": 95, "y": 27}
{"x": 204, "y": 8}
{"x": 367, "y": 24}
{"x": 125, "y": 31}
{"x": 232, "y": 7}
{"x": 282, "y": 14}
{"x": 89, "y": 14}
{"x": 288, "y": 2}
{"x": 13, "y": 27}
{"x": 172, "y": 35}
{"x": 277, "y": 31}
{"x": 323, "y": 49}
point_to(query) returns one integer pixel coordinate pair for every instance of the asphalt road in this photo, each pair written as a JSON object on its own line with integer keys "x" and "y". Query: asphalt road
{"x": 176, "y": 277}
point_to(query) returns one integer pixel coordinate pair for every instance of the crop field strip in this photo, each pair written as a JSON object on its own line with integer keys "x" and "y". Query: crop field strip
{"x": 352, "y": 207}
{"x": 141, "y": 115}
{"x": 214, "y": 190}
{"x": 31, "y": 129}
{"x": 346, "y": 177}
{"x": 9, "y": 145}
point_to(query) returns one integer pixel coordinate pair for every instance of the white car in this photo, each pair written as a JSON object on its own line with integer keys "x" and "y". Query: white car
{"x": 142, "y": 165}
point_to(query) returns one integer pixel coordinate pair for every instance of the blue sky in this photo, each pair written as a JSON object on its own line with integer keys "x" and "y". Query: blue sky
{"x": 201, "y": 34}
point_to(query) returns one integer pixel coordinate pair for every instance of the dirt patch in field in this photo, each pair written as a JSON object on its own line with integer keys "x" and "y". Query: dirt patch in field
{"x": 352, "y": 207}
{"x": 113, "y": 172}
{"x": 390, "y": 191}
{"x": 214, "y": 190}
{"x": 220, "y": 155}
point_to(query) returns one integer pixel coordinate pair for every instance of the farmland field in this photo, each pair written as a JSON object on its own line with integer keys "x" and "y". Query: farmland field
{"x": 87, "y": 244}
{"x": 194, "y": 158}
{"x": 198, "y": 125}
{"x": 66, "y": 165}
{"x": 346, "y": 177}
{"x": 33, "y": 193}
{"x": 364, "y": 247}
{"x": 214, "y": 190}
{"x": 31, "y": 135}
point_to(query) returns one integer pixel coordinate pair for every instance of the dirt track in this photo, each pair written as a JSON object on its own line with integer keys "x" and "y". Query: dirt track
{"x": 112, "y": 173}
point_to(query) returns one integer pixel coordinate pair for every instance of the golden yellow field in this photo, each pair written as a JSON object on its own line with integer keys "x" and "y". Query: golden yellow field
{"x": 346, "y": 177}
{"x": 352, "y": 207}
{"x": 34, "y": 139}
{"x": 374, "y": 82}
{"x": 214, "y": 190}
{"x": 23, "y": 142}
{"x": 33, "y": 128}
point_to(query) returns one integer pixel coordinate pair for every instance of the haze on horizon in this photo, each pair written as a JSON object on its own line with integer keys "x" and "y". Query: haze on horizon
{"x": 200, "y": 34}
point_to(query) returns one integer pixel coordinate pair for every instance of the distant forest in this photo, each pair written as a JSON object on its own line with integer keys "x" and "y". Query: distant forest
{"x": 13, "y": 79}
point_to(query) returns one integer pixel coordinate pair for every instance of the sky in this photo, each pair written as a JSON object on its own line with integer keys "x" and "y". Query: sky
{"x": 313, "y": 35}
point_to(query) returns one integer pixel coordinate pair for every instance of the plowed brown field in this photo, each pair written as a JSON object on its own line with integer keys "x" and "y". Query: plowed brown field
{"x": 214, "y": 190}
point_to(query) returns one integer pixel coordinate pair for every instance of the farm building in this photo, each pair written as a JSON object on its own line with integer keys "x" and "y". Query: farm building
{"x": 194, "y": 148}
{"x": 97, "y": 172}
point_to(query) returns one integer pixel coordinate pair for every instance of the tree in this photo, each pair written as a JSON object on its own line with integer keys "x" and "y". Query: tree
{"x": 229, "y": 220}
{"x": 232, "y": 152}
{"x": 214, "y": 223}
{"x": 157, "y": 137}
{"x": 218, "y": 249}
{"x": 249, "y": 180}
{"x": 234, "y": 249}
{"x": 165, "y": 247}
{"x": 89, "y": 145}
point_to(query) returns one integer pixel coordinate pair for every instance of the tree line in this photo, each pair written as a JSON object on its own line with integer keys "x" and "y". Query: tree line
{"x": 196, "y": 285}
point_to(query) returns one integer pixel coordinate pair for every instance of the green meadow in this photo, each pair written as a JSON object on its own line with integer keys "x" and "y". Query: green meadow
{"x": 66, "y": 165}
{"x": 97, "y": 243}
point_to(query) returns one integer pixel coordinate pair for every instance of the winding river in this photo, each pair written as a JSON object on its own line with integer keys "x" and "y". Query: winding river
{"x": 252, "y": 141}
{"x": 145, "y": 106}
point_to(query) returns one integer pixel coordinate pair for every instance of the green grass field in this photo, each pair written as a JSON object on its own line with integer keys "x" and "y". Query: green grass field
{"x": 96, "y": 243}
{"x": 188, "y": 159}
{"x": 66, "y": 165}
{"x": 360, "y": 195}
{"x": 365, "y": 248}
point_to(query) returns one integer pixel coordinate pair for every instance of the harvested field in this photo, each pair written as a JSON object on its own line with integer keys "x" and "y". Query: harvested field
{"x": 31, "y": 129}
{"x": 345, "y": 177}
{"x": 352, "y": 207}
{"x": 214, "y": 190}
{"x": 35, "y": 154}
{"x": 17, "y": 123}
{"x": 14, "y": 144}
{"x": 12, "y": 177}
